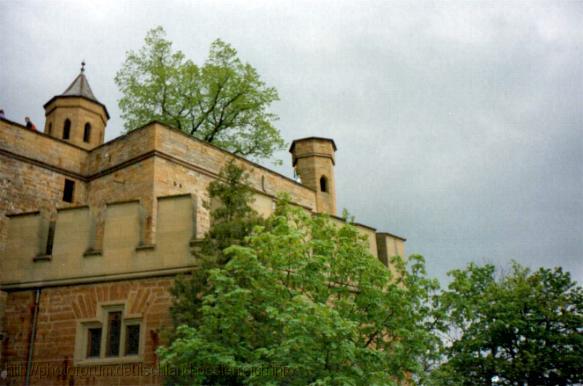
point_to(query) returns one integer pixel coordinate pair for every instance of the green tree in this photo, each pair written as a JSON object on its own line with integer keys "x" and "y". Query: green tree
{"x": 306, "y": 294}
{"x": 522, "y": 328}
{"x": 232, "y": 220}
{"x": 223, "y": 102}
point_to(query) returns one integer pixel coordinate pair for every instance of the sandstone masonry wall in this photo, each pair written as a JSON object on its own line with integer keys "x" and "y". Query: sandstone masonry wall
{"x": 139, "y": 202}
{"x": 60, "y": 310}
{"x": 26, "y": 187}
{"x": 40, "y": 147}
{"x": 212, "y": 159}
{"x": 26, "y": 264}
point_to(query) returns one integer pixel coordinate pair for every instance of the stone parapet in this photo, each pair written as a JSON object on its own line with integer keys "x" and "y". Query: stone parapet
{"x": 37, "y": 147}
{"x": 39, "y": 252}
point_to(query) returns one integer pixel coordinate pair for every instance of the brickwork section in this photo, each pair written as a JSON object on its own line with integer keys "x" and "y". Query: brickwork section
{"x": 18, "y": 326}
{"x": 3, "y": 298}
{"x": 61, "y": 308}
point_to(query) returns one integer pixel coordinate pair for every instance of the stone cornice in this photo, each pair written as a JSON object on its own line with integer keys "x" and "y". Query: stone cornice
{"x": 97, "y": 278}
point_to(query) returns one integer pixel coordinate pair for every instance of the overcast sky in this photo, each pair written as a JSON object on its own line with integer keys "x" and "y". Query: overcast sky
{"x": 458, "y": 124}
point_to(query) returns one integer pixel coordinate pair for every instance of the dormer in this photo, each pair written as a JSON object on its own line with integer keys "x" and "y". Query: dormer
{"x": 76, "y": 116}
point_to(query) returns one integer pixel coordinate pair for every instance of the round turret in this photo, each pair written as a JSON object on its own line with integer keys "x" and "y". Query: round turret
{"x": 76, "y": 116}
{"x": 313, "y": 161}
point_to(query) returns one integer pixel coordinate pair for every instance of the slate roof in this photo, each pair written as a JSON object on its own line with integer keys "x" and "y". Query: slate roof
{"x": 80, "y": 87}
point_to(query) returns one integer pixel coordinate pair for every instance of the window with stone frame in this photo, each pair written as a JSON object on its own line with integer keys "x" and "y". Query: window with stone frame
{"x": 113, "y": 336}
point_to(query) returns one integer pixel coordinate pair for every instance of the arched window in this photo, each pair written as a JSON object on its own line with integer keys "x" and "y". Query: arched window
{"x": 67, "y": 129}
{"x": 323, "y": 184}
{"x": 87, "y": 132}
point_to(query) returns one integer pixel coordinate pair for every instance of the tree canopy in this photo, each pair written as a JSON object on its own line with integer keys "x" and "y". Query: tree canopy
{"x": 232, "y": 220}
{"x": 522, "y": 328}
{"x": 224, "y": 101}
{"x": 303, "y": 302}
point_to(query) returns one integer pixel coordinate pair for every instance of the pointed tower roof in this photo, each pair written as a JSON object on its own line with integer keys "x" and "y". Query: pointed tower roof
{"x": 80, "y": 88}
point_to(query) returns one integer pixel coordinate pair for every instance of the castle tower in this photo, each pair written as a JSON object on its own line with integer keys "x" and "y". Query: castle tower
{"x": 76, "y": 116}
{"x": 313, "y": 160}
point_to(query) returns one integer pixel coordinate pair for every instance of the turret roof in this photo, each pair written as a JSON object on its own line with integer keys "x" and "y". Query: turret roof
{"x": 80, "y": 86}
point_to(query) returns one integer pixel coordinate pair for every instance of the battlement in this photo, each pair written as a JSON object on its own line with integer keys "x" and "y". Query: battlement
{"x": 41, "y": 252}
{"x": 101, "y": 212}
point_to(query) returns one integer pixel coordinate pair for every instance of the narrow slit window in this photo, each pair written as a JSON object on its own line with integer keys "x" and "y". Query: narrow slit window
{"x": 113, "y": 333}
{"x": 50, "y": 238}
{"x": 69, "y": 190}
{"x": 93, "y": 342}
{"x": 67, "y": 129}
{"x": 132, "y": 339}
{"x": 87, "y": 132}
{"x": 323, "y": 184}
{"x": 50, "y": 131}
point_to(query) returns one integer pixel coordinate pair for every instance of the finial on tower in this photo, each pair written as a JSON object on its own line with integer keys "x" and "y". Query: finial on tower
{"x": 83, "y": 66}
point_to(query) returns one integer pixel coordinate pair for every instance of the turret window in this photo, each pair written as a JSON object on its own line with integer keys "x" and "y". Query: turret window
{"x": 67, "y": 129}
{"x": 50, "y": 131}
{"x": 323, "y": 184}
{"x": 87, "y": 132}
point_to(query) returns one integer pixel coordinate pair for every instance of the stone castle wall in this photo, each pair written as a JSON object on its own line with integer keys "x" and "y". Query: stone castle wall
{"x": 147, "y": 163}
{"x": 27, "y": 262}
{"x": 56, "y": 344}
{"x": 139, "y": 201}
{"x": 33, "y": 168}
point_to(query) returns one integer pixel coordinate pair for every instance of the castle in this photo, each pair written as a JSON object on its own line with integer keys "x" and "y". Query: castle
{"x": 93, "y": 234}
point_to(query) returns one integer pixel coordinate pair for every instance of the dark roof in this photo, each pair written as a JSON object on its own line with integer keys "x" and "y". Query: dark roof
{"x": 291, "y": 149}
{"x": 80, "y": 87}
{"x": 392, "y": 235}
